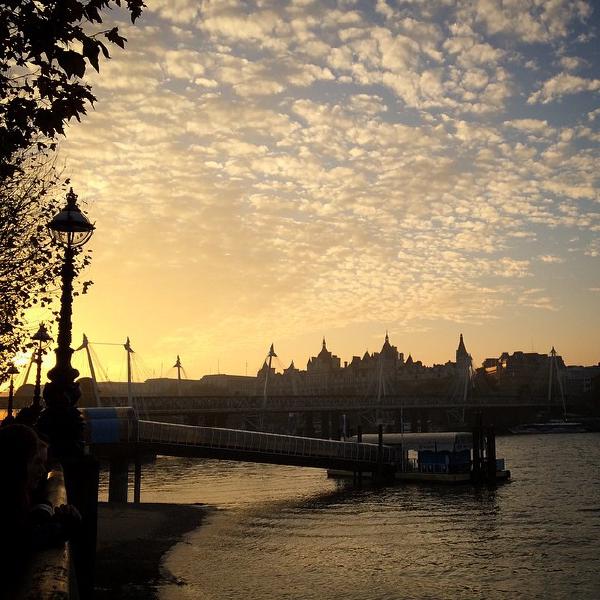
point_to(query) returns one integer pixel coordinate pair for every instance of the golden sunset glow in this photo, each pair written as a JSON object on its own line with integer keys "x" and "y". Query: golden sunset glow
{"x": 283, "y": 172}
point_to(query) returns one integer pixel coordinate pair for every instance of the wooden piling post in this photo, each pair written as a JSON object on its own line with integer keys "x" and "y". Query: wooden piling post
{"x": 491, "y": 455}
{"x": 137, "y": 481}
{"x": 476, "y": 471}
{"x": 118, "y": 476}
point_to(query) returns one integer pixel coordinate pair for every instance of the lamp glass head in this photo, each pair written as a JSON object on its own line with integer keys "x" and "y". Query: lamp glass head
{"x": 41, "y": 335}
{"x": 70, "y": 227}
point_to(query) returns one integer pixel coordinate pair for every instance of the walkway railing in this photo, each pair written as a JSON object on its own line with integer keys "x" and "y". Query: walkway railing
{"x": 256, "y": 441}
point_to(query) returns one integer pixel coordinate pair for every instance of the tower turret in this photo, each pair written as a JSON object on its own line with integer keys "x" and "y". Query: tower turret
{"x": 462, "y": 356}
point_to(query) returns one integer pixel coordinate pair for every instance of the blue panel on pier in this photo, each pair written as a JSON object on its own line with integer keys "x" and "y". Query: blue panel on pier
{"x": 108, "y": 412}
{"x": 105, "y": 431}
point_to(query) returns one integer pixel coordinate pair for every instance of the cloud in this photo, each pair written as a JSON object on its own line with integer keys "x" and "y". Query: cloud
{"x": 571, "y": 63}
{"x": 549, "y": 258}
{"x": 561, "y": 85}
{"x": 529, "y": 125}
{"x": 528, "y": 21}
{"x": 286, "y": 167}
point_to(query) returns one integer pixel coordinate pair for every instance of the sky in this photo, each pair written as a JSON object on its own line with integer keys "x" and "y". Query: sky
{"x": 275, "y": 171}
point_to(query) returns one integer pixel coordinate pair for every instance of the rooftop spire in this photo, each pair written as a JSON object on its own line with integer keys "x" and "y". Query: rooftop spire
{"x": 463, "y": 359}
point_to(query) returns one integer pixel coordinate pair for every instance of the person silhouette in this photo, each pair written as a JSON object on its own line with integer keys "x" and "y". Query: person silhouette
{"x": 30, "y": 522}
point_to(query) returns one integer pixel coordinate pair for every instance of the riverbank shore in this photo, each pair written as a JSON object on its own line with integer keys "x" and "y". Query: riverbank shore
{"x": 132, "y": 539}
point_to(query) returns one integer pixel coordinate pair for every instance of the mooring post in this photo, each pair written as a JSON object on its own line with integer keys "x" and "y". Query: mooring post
{"x": 476, "y": 472}
{"x": 118, "y": 476}
{"x": 137, "y": 481}
{"x": 491, "y": 455}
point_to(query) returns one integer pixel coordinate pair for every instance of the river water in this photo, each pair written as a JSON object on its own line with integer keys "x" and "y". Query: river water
{"x": 285, "y": 532}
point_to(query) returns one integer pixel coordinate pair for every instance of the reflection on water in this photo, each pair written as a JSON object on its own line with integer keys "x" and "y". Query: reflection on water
{"x": 286, "y": 532}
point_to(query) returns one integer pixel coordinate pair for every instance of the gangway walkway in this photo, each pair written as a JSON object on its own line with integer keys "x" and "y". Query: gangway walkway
{"x": 255, "y": 446}
{"x": 119, "y": 433}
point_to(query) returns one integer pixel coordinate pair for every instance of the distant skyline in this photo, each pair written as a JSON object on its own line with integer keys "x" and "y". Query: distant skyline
{"x": 279, "y": 172}
{"x": 110, "y": 361}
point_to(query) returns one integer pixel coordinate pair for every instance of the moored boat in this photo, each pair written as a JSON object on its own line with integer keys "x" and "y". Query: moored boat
{"x": 553, "y": 426}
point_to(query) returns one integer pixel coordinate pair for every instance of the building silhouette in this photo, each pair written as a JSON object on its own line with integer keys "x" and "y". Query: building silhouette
{"x": 382, "y": 373}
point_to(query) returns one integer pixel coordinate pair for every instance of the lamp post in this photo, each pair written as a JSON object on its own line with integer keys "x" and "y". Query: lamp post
{"x": 12, "y": 371}
{"x": 29, "y": 414}
{"x": 41, "y": 336}
{"x": 60, "y": 420}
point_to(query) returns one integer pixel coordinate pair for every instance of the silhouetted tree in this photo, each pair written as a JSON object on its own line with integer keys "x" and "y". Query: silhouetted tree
{"x": 29, "y": 262}
{"x": 45, "y": 49}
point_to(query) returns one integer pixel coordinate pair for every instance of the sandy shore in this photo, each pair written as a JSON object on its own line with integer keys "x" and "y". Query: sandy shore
{"x": 132, "y": 539}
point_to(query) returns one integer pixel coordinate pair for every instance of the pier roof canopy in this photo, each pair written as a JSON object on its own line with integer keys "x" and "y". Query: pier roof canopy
{"x": 452, "y": 441}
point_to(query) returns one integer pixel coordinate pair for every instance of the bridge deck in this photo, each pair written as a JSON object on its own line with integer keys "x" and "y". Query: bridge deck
{"x": 167, "y": 405}
{"x": 255, "y": 446}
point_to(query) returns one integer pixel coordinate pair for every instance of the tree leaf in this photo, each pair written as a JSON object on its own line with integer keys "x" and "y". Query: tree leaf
{"x": 114, "y": 37}
{"x": 71, "y": 62}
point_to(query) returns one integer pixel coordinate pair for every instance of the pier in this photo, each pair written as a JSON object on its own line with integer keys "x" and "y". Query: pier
{"x": 117, "y": 436}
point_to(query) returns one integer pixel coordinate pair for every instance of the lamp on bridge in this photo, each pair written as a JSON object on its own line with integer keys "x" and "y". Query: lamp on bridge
{"x": 12, "y": 371}
{"x": 60, "y": 420}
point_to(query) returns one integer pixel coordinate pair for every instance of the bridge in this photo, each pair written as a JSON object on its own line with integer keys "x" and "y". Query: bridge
{"x": 329, "y": 414}
{"x": 173, "y": 405}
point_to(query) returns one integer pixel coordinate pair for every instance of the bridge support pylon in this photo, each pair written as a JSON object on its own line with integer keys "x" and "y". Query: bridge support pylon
{"x": 309, "y": 425}
{"x": 325, "y": 425}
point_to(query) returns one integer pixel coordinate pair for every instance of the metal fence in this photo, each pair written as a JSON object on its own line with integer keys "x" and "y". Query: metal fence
{"x": 256, "y": 441}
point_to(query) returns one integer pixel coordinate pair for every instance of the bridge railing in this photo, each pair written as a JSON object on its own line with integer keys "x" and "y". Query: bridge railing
{"x": 257, "y": 441}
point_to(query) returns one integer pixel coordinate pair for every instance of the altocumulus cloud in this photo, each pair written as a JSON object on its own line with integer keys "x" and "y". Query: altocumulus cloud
{"x": 329, "y": 163}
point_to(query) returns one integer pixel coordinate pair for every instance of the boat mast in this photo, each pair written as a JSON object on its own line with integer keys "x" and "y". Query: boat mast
{"x": 270, "y": 356}
{"x": 552, "y": 356}
{"x": 127, "y": 347}
{"x": 554, "y": 362}
{"x": 178, "y": 366}
{"x": 378, "y": 417}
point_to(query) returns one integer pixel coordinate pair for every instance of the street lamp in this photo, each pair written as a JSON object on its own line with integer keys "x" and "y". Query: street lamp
{"x": 12, "y": 371}
{"x": 41, "y": 337}
{"x": 29, "y": 414}
{"x": 60, "y": 420}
